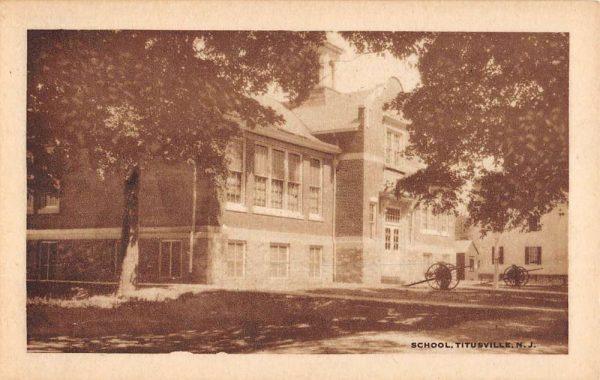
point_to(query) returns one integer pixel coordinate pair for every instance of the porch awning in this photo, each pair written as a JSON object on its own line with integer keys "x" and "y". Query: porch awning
{"x": 387, "y": 198}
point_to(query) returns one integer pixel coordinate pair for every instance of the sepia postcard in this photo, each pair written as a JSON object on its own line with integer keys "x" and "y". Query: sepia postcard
{"x": 299, "y": 190}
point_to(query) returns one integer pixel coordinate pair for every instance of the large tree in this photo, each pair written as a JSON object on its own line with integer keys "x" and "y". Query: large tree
{"x": 131, "y": 97}
{"x": 489, "y": 120}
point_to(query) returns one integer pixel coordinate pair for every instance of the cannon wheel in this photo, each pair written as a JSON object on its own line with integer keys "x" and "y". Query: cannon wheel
{"x": 454, "y": 279}
{"x": 515, "y": 276}
{"x": 508, "y": 275}
{"x": 441, "y": 276}
{"x": 524, "y": 275}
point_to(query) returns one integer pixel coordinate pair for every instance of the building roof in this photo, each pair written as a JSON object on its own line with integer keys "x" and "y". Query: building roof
{"x": 293, "y": 130}
{"x": 330, "y": 111}
{"x": 462, "y": 245}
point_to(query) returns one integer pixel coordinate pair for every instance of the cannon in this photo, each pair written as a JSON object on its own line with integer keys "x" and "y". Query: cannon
{"x": 516, "y": 276}
{"x": 441, "y": 276}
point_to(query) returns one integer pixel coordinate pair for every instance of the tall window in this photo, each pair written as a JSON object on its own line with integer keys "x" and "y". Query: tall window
{"x": 434, "y": 224}
{"x": 236, "y": 252}
{"x": 444, "y": 224}
{"x": 388, "y": 147}
{"x": 170, "y": 260}
{"x": 471, "y": 264}
{"x": 533, "y": 255}
{"x": 294, "y": 181}
{"x": 388, "y": 238}
{"x": 314, "y": 262}
{"x": 394, "y": 145}
{"x": 315, "y": 186}
{"x": 373, "y": 219}
{"x": 47, "y": 260}
{"x": 279, "y": 260}
{"x": 499, "y": 256}
{"x": 431, "y": 219}
{"x": 534, "y": 223}
{"x": 236, "y": 172}
{"x": 396, "y": 239}
{"x": 277, "y": 178}
{"x": 261, "y": 174}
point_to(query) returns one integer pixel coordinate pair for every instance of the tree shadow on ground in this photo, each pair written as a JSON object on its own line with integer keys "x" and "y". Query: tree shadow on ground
{"x": 243, "y": 322}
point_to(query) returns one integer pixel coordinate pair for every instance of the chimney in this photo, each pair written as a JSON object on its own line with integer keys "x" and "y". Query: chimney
{"x": 329, "y": 54}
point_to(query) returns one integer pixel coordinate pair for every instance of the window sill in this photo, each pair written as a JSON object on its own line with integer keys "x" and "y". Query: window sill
{"x": 48, "y": 210}
{"x": 315, "y": 218}
{"x": 277, "y": 212}
{"x": 238, "y": 207}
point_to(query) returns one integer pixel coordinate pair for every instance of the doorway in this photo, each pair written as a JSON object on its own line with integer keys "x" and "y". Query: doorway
{"x": 460, "y": 266}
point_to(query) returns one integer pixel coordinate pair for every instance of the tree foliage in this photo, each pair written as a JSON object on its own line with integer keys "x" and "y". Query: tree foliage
{"x": 489, "y": 120}
{"x": 129, "y": 97}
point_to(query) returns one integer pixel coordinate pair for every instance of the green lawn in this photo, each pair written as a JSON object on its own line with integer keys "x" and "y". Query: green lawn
{"x": 243, "y": 322}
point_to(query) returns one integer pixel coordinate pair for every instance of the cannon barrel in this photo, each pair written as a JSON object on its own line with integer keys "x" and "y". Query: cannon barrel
{"x": 533, "y": 270}
{"x": 420, "y": 282}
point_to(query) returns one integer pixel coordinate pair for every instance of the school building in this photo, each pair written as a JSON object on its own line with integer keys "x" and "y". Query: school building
{"x": 307, "y": 203}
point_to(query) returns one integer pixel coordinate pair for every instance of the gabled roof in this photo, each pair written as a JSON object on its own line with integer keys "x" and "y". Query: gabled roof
{"x": 462, "y": 245}
{"x": 330, "y": 111}
{"x": 293, "y": 130}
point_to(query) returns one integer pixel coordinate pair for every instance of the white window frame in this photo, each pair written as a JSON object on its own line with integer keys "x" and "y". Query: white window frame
{"x": 319, "y": 215}
{"x": 373, "y": 219}
{"x": 53, "y": 208}
{"x": 160, "y": 253}
{"x": 47, "y": 243}
{"x": 241, "y": 206}
{"x": 395, "y": 149}
{"x": 228, "y": 259}
{"x": 278, "y": 262}
{"x": 311, "y": 262}
{"x": 538, "y": 250}
{"x": 432, "y": 224}
{"x": 30, "y": 204}
{"x": 387, "y": 238}
{"x": 268, "y": 209}
{"x": 288, "y": 181}
{"x": 268, "y": 178}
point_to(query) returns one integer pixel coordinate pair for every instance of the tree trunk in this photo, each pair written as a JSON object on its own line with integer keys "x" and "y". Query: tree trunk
{"x": 495, "y": 257}
{"x": 129, "y": 250}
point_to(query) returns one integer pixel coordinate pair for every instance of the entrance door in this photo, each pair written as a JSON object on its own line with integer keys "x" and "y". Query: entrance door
{"x": 460, "y": 264}
{"x": 393, "y": 244}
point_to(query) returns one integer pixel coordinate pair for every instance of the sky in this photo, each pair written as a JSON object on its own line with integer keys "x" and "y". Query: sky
{"x": 359, "y": 72}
